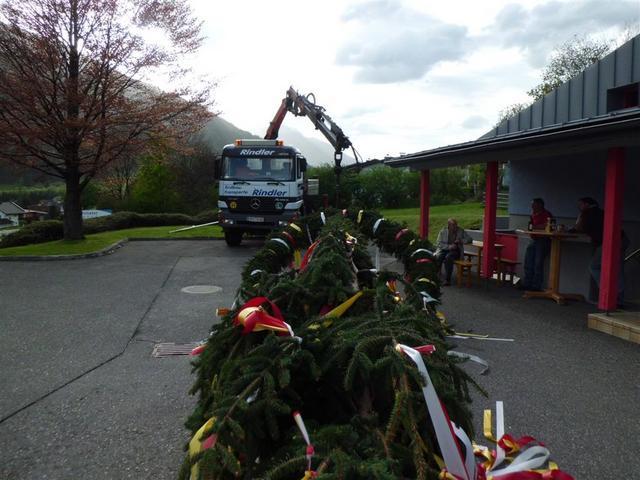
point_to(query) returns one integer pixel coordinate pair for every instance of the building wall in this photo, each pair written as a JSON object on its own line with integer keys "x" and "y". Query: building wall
{"x": 560, "y": 182}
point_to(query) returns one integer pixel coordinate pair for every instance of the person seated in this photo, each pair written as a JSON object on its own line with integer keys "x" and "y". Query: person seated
{"x": 591, "y": 222}
{"x": 450, "y": 243}
{"x": 537, "y": 250}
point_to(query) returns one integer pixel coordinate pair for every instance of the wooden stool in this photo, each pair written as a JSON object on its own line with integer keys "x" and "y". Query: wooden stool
{"x": 463, "y": 271}
{"x": 473, "y": 257}
{"x": 506, "y": 267}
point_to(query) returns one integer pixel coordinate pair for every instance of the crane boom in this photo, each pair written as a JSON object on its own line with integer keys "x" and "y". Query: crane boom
{"x": 305, "y": 105}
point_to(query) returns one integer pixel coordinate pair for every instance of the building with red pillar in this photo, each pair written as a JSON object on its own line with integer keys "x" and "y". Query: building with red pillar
{"x": 580, "y": 140}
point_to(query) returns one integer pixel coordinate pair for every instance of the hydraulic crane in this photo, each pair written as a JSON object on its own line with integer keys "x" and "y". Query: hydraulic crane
{"x": 305, "y": 105}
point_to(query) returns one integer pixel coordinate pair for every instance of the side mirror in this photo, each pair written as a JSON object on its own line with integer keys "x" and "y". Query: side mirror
{"x": 303, "y": 164}
{"x": 217, "y": 164}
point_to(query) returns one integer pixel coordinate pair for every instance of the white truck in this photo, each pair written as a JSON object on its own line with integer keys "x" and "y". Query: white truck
{"x": 262, "y": 184}
{"x": 261, "y": 187}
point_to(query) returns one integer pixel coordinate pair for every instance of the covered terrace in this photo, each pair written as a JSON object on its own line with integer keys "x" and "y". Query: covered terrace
{"x": 582, "y": 139}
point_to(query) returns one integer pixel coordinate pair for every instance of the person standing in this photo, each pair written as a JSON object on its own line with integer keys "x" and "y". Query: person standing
{"x": 538, "y": 249}
{"x": 591, "y": 222}
{"x": 450, "y": 243}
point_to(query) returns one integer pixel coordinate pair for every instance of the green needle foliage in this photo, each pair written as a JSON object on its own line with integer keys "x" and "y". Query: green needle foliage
{"x": 360, "y": 398}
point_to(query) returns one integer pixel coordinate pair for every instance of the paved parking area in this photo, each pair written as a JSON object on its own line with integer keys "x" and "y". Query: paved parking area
{"x": 575, "y": 389}
{"x": 81, "y": 395}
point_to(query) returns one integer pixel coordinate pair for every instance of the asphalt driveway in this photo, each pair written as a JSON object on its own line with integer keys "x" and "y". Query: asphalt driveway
{"x": 81, "y": 396}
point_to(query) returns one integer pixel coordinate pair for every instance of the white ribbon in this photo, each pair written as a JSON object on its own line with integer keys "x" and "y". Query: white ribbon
{"x": 377, "y": 224}
{"x": 464, "y": 337}
{"x": 530, "y": 459}
{"x": 444, "y": 433}
{"x": 426, "y": 298}
{"x": 473, "y": 358}
{"x": 255, "y": 271}
{"x": 469, "y": 459}
{"x": 323, "y": 218}
{"x": 500, "y": 453}
{"x": 281, "y": 241}
{"x": 421, "y": 250}
{"x": 308, "y": 233}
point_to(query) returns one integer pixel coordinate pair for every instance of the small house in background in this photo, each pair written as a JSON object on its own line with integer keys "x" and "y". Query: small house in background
{"x": 16, "y": 215}
{"x": 580, "y": 140}
{"x": 11, "y": 213}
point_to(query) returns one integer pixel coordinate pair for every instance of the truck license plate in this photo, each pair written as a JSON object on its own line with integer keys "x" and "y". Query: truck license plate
{"x": 255, "y": 219}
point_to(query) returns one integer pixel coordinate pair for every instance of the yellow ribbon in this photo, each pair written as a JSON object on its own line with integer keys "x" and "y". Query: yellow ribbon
{"x": 343, "y": 307}
{"x": 426, "y": 280}
{"x": 297, "y": 258}
{"x": 295, "y": 227}
{"x": 360, "y": 216}
{"x": 486, "y": 426}
{"x": 195, "y": 446}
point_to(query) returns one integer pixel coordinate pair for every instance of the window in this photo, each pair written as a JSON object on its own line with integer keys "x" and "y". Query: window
{"x": 257, "y": 168}
{"x": 627, "y": 96}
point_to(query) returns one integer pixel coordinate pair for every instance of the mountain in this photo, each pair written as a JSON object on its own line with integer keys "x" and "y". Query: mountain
{"x": 316, "y": 151}
{"x": 218, "y": 132}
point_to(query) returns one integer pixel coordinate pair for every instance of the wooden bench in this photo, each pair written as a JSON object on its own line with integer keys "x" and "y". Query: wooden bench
{"x": 506, "y": 268}
{"x": 463, "y": 272}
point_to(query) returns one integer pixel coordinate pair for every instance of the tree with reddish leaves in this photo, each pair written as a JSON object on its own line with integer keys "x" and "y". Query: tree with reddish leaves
{"x": 76, "y": 88}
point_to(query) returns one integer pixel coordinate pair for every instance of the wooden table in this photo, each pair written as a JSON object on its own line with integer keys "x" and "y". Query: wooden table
{"x": 479, "y": 244}
{"x": 553, "y": 291}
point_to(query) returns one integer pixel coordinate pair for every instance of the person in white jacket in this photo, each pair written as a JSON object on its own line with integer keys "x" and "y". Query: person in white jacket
{"x": 450, "y": 243}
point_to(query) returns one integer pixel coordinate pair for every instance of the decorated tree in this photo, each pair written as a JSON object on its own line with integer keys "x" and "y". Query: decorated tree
{"x": 75, "y": 85}
{"x": 326, "y": 367}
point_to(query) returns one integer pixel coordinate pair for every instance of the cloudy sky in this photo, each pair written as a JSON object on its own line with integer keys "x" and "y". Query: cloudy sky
{"x": 396, "y": 75}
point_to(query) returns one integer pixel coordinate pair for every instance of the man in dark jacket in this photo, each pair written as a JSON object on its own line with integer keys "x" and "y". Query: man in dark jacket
{"x": 591, "y": 221}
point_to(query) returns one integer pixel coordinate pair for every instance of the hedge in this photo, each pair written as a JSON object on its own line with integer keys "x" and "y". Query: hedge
{"x": 50, "y": 230}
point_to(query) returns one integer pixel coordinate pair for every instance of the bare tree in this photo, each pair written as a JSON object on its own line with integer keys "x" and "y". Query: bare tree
{"x": 74, "y": 85}
{"x": 117, "y": 178}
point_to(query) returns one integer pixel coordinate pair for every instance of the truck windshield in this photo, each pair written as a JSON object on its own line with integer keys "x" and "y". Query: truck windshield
{"x": 259, "y": 168}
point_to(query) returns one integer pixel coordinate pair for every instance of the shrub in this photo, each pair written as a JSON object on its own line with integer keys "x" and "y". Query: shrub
{"x": 36, "y": 232}
{"x": 49, "y": 230}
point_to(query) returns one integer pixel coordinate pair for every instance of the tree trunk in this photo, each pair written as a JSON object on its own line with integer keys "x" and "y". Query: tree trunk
{"x": 72, "y": 208}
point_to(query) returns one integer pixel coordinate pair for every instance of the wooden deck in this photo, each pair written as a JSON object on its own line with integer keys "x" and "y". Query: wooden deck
{"x": 625, "y": 325}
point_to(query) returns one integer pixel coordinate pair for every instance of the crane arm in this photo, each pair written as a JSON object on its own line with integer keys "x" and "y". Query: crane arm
{"x": 300, "y": 105}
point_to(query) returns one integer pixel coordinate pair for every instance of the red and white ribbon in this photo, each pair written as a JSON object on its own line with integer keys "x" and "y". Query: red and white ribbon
{"x": 310, "y": 451}
{"x": 453, "y": 459}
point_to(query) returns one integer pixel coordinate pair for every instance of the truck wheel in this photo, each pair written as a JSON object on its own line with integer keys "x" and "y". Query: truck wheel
{"x": 233, "y": 238}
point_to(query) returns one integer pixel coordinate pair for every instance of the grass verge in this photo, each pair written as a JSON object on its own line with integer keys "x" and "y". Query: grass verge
{"x": 98, "y": 241}
{"x": 469, "y": 216}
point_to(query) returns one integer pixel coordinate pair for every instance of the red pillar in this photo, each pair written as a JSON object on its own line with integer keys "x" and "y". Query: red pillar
{"x": 613, "y": 194}
{"x": 490, "y": 212}
{"x": 425, "y": 198}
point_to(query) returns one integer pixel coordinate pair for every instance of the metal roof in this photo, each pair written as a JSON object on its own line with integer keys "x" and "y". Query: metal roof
{"x": 11, "y": 208}
{"x": 582, "y": 107}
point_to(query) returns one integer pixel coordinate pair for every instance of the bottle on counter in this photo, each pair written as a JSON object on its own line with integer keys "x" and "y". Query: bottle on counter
{"x": 530, "y": 226}
{"x": 554, "y": 224}
{"x": 547, "y": 227}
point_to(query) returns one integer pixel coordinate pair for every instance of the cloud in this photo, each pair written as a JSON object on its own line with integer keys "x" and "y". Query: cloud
{"x": 537, "y": 30}
{"x": 474, "y": 121}
{"x": 394, "y": 43}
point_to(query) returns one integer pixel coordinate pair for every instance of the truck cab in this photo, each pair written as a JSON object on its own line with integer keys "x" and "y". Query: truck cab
{"x": 261, "y": 187}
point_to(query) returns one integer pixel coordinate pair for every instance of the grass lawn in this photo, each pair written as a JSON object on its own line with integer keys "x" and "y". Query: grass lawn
{"x": 469, "y": 215}
{"x": 98, "y": 241}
